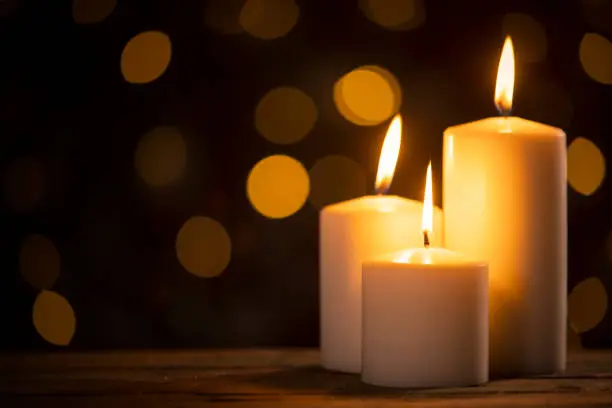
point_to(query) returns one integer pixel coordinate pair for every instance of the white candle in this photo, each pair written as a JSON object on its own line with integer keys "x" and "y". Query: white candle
{"x": 505, "y": 202}
{"x": 350, "y": 232}
{"x": 425, "y": 317}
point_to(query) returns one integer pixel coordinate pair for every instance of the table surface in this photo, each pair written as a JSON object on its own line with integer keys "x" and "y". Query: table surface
{"x": 267, "y": 378}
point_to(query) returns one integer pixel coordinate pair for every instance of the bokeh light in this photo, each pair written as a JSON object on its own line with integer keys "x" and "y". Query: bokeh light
{"x": 24, "y": 183}
{"x": 285, "y": 115}
{"x": 161, "y": 156}
{"x": 222, "y": 16}
{"x": 336, "y": 178}
{"x": 586, "y": 166}
{"x": 203, "y": 247}
{"x": 587, "y": 305}
{"x": 39, "y": 261}
{"x": 394, "y": 14}
{"x": 278, "y": 186}
{"x": 269, "y": 19}
{"x": 146, "y": 57}
{"x": 92, "y": 11}
{"x": 528, "y": 36}
{"x": 54, "y": 318}
{"x": 367, "y": 95}
{"x": 596, "y": 57}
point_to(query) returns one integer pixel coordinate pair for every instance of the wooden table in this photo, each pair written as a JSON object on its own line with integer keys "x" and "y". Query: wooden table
{"x": 266, "y": 378}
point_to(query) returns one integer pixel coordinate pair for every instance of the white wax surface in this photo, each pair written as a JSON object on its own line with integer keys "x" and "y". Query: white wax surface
{"x": 350, "y": 232}
{"x": 505, "y": 202}
{"x": 425, "y": 320}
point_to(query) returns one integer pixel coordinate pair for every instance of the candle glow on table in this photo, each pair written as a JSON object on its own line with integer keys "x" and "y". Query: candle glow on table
{"x": 350, "y": 232}
{"x": 505, "y": 202}
{"x": 425, "y": 316}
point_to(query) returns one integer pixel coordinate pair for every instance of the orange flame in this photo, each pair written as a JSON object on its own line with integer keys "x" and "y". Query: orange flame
{"x": 388, "y": 155}
{"x": 504, "y": 87}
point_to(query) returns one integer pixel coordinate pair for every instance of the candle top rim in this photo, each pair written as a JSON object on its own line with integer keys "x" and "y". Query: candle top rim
{"x": 377, "y": 203}
{"x": 510, "y": 125}
{"x": 427, "y": 257}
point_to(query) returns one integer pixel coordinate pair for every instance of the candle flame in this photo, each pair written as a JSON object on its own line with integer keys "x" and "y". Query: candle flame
{"x": 388, "y": 155}
{"x": 427, "y": 221}
{"x": 504, "y": 87}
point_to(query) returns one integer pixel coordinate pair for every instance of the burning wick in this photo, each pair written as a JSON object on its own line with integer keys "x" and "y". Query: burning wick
{"x": 426, "y": 239}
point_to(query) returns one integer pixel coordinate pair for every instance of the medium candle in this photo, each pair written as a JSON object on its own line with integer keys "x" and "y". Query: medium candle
{"x": 425, "y": 316}
{"x": 505, "y": 201}
{"x": 350, "y": 232}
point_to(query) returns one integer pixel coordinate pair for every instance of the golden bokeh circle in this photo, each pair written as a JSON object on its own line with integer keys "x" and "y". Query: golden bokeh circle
{"x": 222, "y": 16}
{"x": 161, "y": 156}
{"x": 587, "y": 305}
{"x": 203, "y": 247}
{"x": 586, "y": 166}
{"x": 394, "y": 14}
{"x": 528, "y": 36}
{"x": 54, "y": 318}
{"x": 24, "y": 183}
{"x": 269, "y": 19}
{"x": 367, "y": 95}
{"x": 285, "y": 115}
{"x": 335, "y": 178}
{"x": 92, "y": 11}
{"x": 278, "y": 186}
{"x": 39, "y": 261}
{"x": 596, "y": 57}
{"x": 146, "y": 57}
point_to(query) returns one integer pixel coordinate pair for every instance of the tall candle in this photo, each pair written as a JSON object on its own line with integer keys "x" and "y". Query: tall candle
{"x": 351, "y": 232}
{"x": 425, "y": 316}
{"x": 505, "y": 202}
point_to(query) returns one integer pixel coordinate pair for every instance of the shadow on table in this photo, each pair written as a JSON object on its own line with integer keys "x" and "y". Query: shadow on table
{"x": 316, "y": 380}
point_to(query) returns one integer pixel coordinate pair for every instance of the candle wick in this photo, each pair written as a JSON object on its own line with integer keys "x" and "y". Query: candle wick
{"x": 426, "y": 239}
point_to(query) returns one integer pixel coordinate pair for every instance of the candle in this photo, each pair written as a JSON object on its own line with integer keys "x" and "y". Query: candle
{"x": 350, "y": 232}
{"x": 425, "y": 316}
{"x": 505, "y": 202}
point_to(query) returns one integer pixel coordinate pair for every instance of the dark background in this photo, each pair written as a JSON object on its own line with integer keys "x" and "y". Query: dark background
{"x": 65, "y": 103}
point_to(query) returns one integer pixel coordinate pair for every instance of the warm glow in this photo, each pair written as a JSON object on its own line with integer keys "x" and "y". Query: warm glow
{"x": 427, "y": 223}
{"x": 504, "y": 88}
{"x": 388, "y": 155}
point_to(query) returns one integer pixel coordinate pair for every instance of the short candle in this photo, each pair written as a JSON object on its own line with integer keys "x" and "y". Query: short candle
{"x": 350, "y": 232}
{"x": 425, "y": 316}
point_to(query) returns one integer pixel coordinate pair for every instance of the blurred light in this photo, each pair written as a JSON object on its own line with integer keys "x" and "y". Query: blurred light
{"x": 39, "y": 261}
{"x": 161, "y": 156}
{"x": 146, "y": 57}
{"x": 203, "y": 247}
{"x": 586, "y": 166}
{"x": 24, "y": 183}
{"x": 54, "y": 318}
{"x": 367, "y": 95}
{"x": 223, "y": 16}
{"x": 336, "y": 178}
{"x": 285, "y": 115}
{"x": 596, "y": 57}
{"x": 528, "y": 35}
{"x": 394, "y": 14}
{"x": 92, "y": 11}
{"x": 278, "y": 186}
{"x": 269, "y": 19}
{"x": 587, "y": 305}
